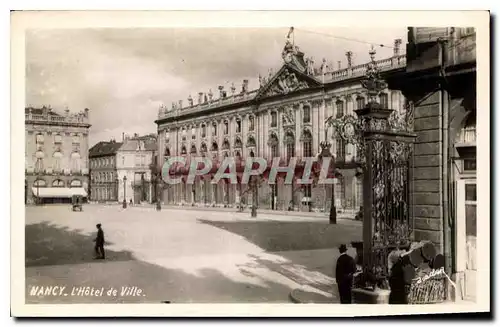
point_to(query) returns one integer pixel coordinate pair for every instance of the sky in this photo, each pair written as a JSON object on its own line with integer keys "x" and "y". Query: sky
{"x": 124, "y": 75}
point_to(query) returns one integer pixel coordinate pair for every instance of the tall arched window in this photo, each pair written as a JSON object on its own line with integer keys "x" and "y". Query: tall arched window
{"x": 274, "y": 145}
{"x": 58, "y": 183}
{"x": 215, "y": 147}
{"x": 237, "y": 143}
{"x": 193, "y": 149}
{"x": 306, "y": 114}
{"x": 290, "y": 145}
{"x": 167, "y": 152}
{"x": 468, "y": 132}
{"x": 251, "y": 141}
{"x": 360, "y": 102}
{"x": 274, "y": 119}
{"x": 340, "y": 143}
{"x": 203, "y": 130}
{"x": 214, "y": 129}
{"x": 39, "y": 166}
{"x": 226, "y": 145}
{"x": 251, "y": 123}
{"x": 340, "y": 108}
{"x": 57, "y": 161}
{"x": 238, "y": 125}
{"x": 183, "y": 150}
{"x": 75, "y": 162}
{"x": 307, "y": 144}
{"x": 226, "y": 127}
{"x": 384, "y": 101}
{"x": 203, "y": 148}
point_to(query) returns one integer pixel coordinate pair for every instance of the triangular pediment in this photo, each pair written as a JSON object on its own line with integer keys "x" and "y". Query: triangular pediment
{"x": 287, "y": 80}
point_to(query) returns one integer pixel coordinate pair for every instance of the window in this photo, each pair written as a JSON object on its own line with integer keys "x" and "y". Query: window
{"x": 183, "y": 150}
{"x": 468, "y": 132}
{"x": 307, "y": 114}
{"x": 58, "y": 183}
{"x": 340, "y": 149}
{"x": 76, "y": 139}
{"x": 184, "y": 133}
{"x": 307, "y": 146}
{"x": 384, "y": 101}
{"x": 39, "y": 183}
{"x": 340, "y": 190}
{"x": 203, "y": 148}
{"x": 238, "y": 126}
{"x": 225, "y": 145}
{"x": 57, "y": 139}
{"x": 193, "y": 149}
{"x": 57, "y": 161}
{"x": 251, "y": 123}
{"x": 75, "y": 162}
{"x": 215, "y": 147}
{"x": 274, "y": 119}
{"x": 39, "y": 139}
{"x": 214, "y": 129}
{"x": 193, "y": 133}
{"x": 360, "y": 102}
{"x": 39, "y": 167}
{"x": 203, "y": 130}
{"x": 359, "y": 191}
{"x": 308, "y": 191}
{"x": 226, "y": 127}
{"x": 237, "y": 143}
{"x": 274, "y": 151}
{"x": 340, "y": 108}
{"x": 137, "y": 160}
{"x": 76, "y": 183}
{"x": 251, "y": 141}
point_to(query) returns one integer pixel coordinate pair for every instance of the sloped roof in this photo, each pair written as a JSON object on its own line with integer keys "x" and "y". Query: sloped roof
{"x": 133, "y": 144}
{"x": 102, "y": 149}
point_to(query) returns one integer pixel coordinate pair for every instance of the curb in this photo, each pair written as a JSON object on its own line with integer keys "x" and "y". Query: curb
{"x": 301, "y": 295}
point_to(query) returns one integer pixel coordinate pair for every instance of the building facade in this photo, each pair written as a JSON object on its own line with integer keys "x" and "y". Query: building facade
{"x": 56, "y": 155}
{"x": 440, "y": 83}
{"x": 285, "y": 117}
{"x": 122, "y": 170}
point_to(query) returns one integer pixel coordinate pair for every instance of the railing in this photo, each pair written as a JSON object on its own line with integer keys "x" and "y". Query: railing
{"x": 57, "y": 119}
{"x": 342, "y": 74}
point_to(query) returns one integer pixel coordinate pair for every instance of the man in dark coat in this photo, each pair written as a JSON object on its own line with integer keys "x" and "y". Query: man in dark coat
{"x": 99, "y": 243}
{"x": 344, "y": 272}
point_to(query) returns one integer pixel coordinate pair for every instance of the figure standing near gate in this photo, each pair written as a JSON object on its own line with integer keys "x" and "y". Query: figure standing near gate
{"x": 99, "y": 243}
{"x": 344, "y": 274}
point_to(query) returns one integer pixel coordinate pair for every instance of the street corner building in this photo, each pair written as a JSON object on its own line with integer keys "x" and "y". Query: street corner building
{"x": 284, "y": 117}
{"x": 122, "y": 170}
{"x": 56, "y": 152}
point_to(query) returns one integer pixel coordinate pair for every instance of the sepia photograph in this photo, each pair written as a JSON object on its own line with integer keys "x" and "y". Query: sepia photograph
{"x": 292, "y": 162}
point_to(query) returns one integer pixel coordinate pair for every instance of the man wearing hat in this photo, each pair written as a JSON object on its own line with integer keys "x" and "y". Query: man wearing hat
{"x": 344, "y": 272}
{"x": 99, "y": 243}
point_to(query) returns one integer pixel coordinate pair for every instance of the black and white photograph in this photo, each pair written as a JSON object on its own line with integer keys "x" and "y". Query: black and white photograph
{"x": 277, "y": 165}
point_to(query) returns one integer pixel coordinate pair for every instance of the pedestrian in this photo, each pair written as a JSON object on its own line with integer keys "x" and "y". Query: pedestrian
{"x": 131, "y": 203}
{"x": 99, "y": 243}
{"x": 344, "y": 274}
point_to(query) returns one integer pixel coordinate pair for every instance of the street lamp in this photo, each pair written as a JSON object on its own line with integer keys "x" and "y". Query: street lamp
{"x": 326, "y": 153}
{"x": 158, "y": 190}
{"x": 124, "y": 192}
{"x": 117, "y": 183}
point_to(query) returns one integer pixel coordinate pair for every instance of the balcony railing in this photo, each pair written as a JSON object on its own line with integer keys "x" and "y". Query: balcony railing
{"x": 333, "y": 76}
{"x": 73, "y": 119}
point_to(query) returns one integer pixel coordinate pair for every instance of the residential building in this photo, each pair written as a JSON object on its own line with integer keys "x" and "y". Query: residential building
{"x": 56, "y": 155}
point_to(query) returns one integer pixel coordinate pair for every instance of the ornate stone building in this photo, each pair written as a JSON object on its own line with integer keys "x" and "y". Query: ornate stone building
{"x": 55, "y": 155}
{"x": 284, "y": 117}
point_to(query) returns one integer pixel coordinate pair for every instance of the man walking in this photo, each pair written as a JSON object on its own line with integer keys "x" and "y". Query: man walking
{"x": 99, "y": 243}
{"x": 344, "y": 272}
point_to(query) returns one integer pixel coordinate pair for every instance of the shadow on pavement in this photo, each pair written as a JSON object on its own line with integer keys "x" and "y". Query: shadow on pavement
{"x": 275, "y": 236}
{"x": 48, "y": 244}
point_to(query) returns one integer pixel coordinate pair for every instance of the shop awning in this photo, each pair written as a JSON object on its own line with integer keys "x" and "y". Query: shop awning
{"x": 58, "y": 192}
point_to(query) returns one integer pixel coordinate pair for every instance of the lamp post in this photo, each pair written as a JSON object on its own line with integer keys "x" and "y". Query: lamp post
{"x": 254, "y": 197}
{"x": 326, "y": 153}
{"x": 124, "y": 192}
{"x": 117, "y": 182}
{"x": 158, "y": 190}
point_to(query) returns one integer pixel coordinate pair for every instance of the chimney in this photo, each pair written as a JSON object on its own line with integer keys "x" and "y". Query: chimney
{"x": 349, "y": 59}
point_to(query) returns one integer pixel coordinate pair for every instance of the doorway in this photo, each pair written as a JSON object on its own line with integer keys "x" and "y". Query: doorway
{"x": 467, "y": 236}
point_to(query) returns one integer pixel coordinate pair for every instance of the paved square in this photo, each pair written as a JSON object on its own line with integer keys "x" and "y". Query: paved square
{"x": 177, "y": 255}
